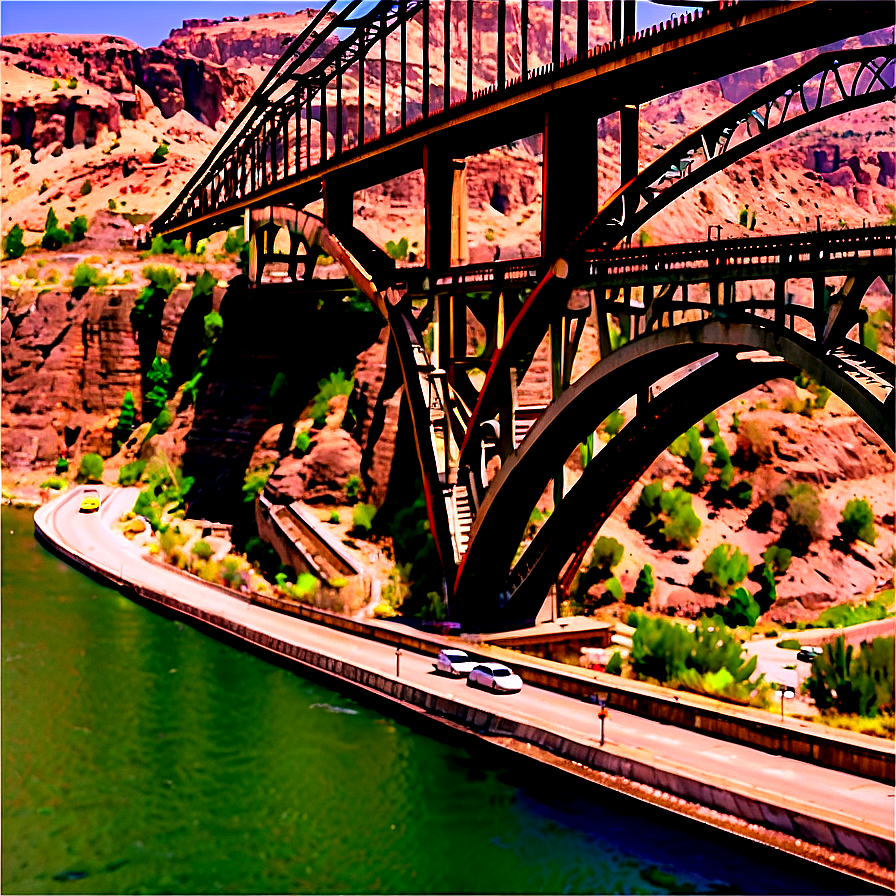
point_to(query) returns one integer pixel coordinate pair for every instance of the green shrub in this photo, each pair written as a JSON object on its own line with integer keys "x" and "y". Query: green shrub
{"x": 711, "y": 425}
{"x": 234, "y": 241}
{"x": 127, "y": 418}
{"x": 254, "y": 483}
{"x": 614, "y": 587}
{"x": 858, "y": 521}
{"x": 844, "y": 615}
{"x": 741, "y": 609}
{"x": 162, "y": 277}
{"x": 90, "y": 469}
{"x": 54, "y": 236}
{"x": 362, "y": 518}
{"x": 165, "y": 490}
{"x": 334, "y": 517}
{"x": 55, "y": 85}
{"x": 804, "y": 521}
{"x": 44, "y": 186}
{"x": 84, "y": 277}
{"x": 204, "y": 286}
{"x": 606, "y": 555}
{"x": 86, "y": 187}
{"x": 723, "y": 568}
{"x": 160, "y": 425}
{"x": 719, "y": 450}
{"x": 399, "y": 250}
{"x": 55, "y": 483}
{"x": 666, "y": 515}
{"x": 614, "y": 422}
{"x": 161, "y": 151}
{"x": 853, "y": 682}
{"x": 643, "y": 587}
{"x": 789, "y": 644}
{"x": 303, "y": 441}
{"x": 13, "y": 245}
{"x": 130, "y": 473}
{"x": 690, "y": 449}
{"x": 78, "y": 228}
{"x": 61, "y": 466}
{"x": 202, "y": 549}
{"x": 754, "y": 444}
{"x": 112, "y": 205}
{"x": 71, "y": 82}
{"x": 778, "y": 558}
{"x": 614, "y": 664}
{"x": 328, "y": 388}
{"x": 352, "y": 487}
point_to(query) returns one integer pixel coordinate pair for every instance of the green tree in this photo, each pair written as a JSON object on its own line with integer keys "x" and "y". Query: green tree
{"x": 606, "y": 555}
{"x": 667, "y": 516}
{"x": 90, "y": 469}
{"x": 848, "y": 681}
{"x": 725, "y": 568}
{"x": 858, "y": 521}
{"x": 643, "y": 587}
{"x": 127, "y": 417}
{"x": 804, "y": 520}
{"x": 54, "y": 236}
{"x": 13, "y": 244}
{"x": 741, "y": 609}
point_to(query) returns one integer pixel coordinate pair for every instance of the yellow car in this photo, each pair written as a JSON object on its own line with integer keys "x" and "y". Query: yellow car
{"x": 90, "y": 503}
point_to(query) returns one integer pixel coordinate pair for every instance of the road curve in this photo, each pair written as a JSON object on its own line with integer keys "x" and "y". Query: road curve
{"x": 830, "y": 795}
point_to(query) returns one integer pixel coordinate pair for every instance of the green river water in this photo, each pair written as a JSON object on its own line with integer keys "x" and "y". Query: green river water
{"x": 140, "y": 755}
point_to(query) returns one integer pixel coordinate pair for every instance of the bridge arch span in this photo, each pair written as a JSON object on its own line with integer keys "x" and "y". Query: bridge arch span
{"x": 483, "y": 586}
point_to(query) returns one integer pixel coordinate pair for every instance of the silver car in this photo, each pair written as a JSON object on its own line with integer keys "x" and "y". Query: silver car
{"x": 454, "y": 662}
{"x": 495, "y": 677}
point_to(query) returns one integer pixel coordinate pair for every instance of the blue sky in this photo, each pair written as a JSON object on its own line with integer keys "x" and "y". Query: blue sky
{"x": 148, "y": 22}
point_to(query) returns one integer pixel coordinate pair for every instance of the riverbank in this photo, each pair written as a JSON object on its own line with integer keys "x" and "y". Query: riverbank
{"x": 836, "y": 838}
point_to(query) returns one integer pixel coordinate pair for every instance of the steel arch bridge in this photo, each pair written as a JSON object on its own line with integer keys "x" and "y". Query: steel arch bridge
{"x": 297, "y": 141}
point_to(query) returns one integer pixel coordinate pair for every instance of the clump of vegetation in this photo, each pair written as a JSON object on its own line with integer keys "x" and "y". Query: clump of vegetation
{"x": 85, "y": 277}
{"x": 304, "y": 589}
{"x": 71, "y": 82}
{"x": 754, "y": 444}
{"x": 254, "y": 483}
{"x": 362, "y": 519}
{"x": 334, "y": 517}
{"x": 13, "y": 244}
{"x": 690, "y": 449}
{"x": 61, "y": 466}
{"x": 90, "y": 469}
{"x": 666, "y": 515}
{"x": 740, "y": 609}
{"x": 55, "y": 483}
{"x": 708, "y": 660}
{"x": 44, "y": 186}
{"x": 213, "y": 324}
{"x": 54, "y": 236}
{"x": 55, "y": 85}
{"x": 302, "y": 442}
{"x": 112, "y": 205}
{"x": 161, "y": 246}
{"x": 775, "y": 562}
{"x": 871, "y": 330}
{"x": 127, "y": 418}
{"x": 328, "y": 388}
{"x": 711, "y": 425}
{"x": 724, "y": 568}
{"x": 806, "y": 407}
{"x": 804, "y": 520}
{"x": 614, "y": 422}
{"x": 150, "y": 299}
{"x": 857, "y": 523}
{"x": 86, "y": 187}
{"x": 854, "y": 682}
{"x": 844, "y": 615}
{"x": 164, "y": 494}
{"x": 643, "y": 587}
{"x": 159, "y": 375}
{"x": 399, "y": 250}
{"x": 131, "y": 473}
{"x": 352, "y": 487}
{"x": 160, "y": 152}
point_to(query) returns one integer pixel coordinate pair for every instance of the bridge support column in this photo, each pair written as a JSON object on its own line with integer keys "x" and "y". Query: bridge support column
{"x": 338, "y": 208}
{"x": 569, "y": 176}
{"x": 445, "y": 211}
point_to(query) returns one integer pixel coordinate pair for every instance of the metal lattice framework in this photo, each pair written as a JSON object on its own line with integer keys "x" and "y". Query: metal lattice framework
{"x": 826, "y": 86}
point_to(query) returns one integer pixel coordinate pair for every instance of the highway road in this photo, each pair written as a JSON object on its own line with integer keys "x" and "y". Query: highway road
{"x": 836, "y": 796}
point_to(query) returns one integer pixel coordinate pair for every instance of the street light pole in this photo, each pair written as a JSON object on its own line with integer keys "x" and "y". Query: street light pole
{"x": 602, "y": 697}
{"x": 397, "y": 662}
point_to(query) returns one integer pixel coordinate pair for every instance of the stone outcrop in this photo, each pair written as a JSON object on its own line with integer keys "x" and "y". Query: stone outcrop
{"x": 117, "y": 69}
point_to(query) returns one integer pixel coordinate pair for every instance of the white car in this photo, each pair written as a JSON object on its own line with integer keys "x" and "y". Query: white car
{"x": 495, "y": 677}
{"x": 454, "y": 662}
